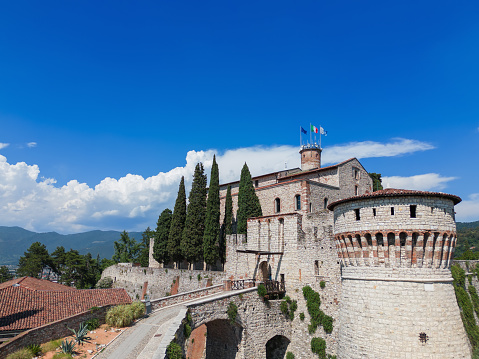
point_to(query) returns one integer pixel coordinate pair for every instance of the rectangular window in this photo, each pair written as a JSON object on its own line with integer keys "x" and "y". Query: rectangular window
{"x": 374, "y": 212}
{"x": 412, "y": 210}
{"x": 392, "y": 211}
{"x": 356, "y": 190}
{"x": 298, "y": 202}
{"x": 358, "y": 217}
{"x": 256, "y": 183}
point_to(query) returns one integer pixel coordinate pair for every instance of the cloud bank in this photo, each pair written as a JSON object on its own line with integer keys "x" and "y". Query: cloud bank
{"x": 424, "y": 182}
{"x": 133, "y": 202}
{"x": 468, "y": 209}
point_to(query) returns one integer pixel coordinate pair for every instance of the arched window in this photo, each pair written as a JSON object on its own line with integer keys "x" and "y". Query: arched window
{"x": 297, "y": 201}
{"x": 277, "y": 205}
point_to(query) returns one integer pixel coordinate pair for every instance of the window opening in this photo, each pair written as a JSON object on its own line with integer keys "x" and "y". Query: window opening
{"x": 358, "y": 217}
{"x": 298, "y": 201}
{"x": 277, "y": 205}
{"x": 256, "y": 183}
{"x": 325, "y": 203}
{"x": 392, "y": 211}
{"x": 356, "y": 190}
{"x": 412, "y": 210}
{"x": 310, "y": 207}
{"x": 374, "y": 212}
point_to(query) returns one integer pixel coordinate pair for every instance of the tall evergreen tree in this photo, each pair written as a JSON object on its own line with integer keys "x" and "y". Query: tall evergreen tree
{"x": 211, "y": 238}
{"x": 126, "y": 249}
{"x": 248, "y": 201}
{"x": 177, "y": 225}
{"x": 35, "y": 259}
{"x": 228, "y": 221}
{"x": 377, "y": 181}
{"x": 144, "y": 256}
{"x": 192, "y": 238}
{"x": 163, "y": 225}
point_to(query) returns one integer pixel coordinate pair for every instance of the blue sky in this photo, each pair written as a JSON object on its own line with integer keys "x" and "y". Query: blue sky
{"x": 104, "y": 105}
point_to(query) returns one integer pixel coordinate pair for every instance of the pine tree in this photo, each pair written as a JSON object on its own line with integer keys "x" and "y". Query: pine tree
{"x": 228, "y": 221}
{"x": 192, "y": 238}
{"x": 248, "y": 201}
{"x": 177, "y": 225}
{"x": 211, "y": 238}
{"x": 35, "y": 259}
{"x": 163, "y": 225}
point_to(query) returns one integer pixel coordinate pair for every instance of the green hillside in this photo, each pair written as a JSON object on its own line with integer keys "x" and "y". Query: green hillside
{"x": 14, "y": 241}
{"x": 467, "y": 240}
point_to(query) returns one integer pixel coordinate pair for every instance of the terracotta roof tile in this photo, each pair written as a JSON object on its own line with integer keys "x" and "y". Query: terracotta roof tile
{"x": 23, "y": 308}
{"x": 36, "y": 284}
{"x": 394, "y": 192}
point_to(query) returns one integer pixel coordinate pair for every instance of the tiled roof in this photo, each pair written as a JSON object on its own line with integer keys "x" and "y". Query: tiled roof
{"x": 36, "y": 284}
{"x": 23, "y": 308}
{"x": 393, "y": 192}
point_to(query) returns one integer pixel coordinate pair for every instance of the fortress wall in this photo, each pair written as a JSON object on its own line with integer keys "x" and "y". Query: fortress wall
{"x": 160, "y": 280}
{"x": 348, "y": 180}
{"x": 383, "y": 316}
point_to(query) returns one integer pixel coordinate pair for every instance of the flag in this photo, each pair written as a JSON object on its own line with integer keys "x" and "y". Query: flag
{"x": 314, "y": 129}
{"x": 304, "y": 131}
{"x": 322, "y": 131}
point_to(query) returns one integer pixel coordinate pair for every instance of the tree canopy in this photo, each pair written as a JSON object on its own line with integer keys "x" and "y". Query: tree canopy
{"x": 211, "y": 238}
{"x": 248, "y": 201}
{"x": 228, "y": 221}
{"x": 34, "y": 261}
{"x": 177, "y": 224}
{"x": 160, "y": 252}
{"x": 377, "y": 181}
{"x": 127, "y": 249}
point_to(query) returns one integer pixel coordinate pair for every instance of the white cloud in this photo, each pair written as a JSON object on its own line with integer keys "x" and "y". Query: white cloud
{"x": 3, "y": 145}
{"x": 133, "y": 202}
{"x": 31, "y": 144}
{"x": 468, "y": 210}
{"x": 424, "y": 182}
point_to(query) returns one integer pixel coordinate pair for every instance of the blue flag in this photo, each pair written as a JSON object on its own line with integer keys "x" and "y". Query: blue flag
{"x": 304, "y": 131}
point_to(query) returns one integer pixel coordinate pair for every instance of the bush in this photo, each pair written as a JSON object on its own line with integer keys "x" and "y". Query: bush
{"x": 327, "y": 323}
{"x": 289, "y": 355}
{"x": 322, "y": 284}
{"x": 262, "y": 291}
{"x": 138, "y": 309}
{"x": 35, "y": 349}
{"x": 173, "y": 351}
{"x": 232, "y": 312}
{"x": 106, "y": 282}
{"x": 20, "y": 354}
{"x": 318, "y": 346}
{"x": 301, "y": 316}
{"x": 119, "y": 316}
{"x": 284, "y": 307}
{"x": 92, "y": 323}
{"x": 187, "y": 330}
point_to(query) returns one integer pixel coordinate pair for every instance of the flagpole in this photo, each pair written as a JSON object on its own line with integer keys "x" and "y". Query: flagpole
{"x": 320, "y": 136}
{"x": 311, "y": 133}
{"x": 300, "y": 138}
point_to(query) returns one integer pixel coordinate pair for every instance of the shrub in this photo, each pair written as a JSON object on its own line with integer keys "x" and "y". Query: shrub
{"x": 289, "y": 355}
{"x": 35, "y": 349}
{"x": 284, "y": 307}
{"x": 106, "y": 282}
{"x": 327, "y": 323}
{"x": 173, "y": 351}
{"x": 262, "y": 291}
{"x": 67, "y": 347}
{"x": 301, "y": 316}
{"x": 322, "y": 284}
{"x": 232, "y": 312}
{"x": 119, "y": 316}
{"x": 20, "y": 354}
{"x": 318, "y": 346}
{"x": 138, "y": 309}
{"x": 187, "y": 330}
{"x": 199, "y": 277}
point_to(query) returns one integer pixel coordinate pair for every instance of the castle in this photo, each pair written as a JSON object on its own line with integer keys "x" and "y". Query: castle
{"x": 380, "y": 261}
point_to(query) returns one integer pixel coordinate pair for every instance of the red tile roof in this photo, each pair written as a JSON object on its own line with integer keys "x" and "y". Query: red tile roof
{"x": 393, "y": 192}
{"x": 23, "y": 308}
{"x": 36, "y": 284}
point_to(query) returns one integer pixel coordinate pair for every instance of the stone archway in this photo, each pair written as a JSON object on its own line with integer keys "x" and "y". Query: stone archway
{"x": 264, "y": 271}
{"x": 276, "y": 347}
{"x": 222, "y": 339}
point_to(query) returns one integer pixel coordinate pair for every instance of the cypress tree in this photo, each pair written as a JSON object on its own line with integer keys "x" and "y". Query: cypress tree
{"x": 248, "y": 201}
{"x": 192, "y": 237}
{"x": 162, "y": 232}
{"x": 228, "y": 221}
{"x": 177, "y": 224}
{"x": 211, "y": 236}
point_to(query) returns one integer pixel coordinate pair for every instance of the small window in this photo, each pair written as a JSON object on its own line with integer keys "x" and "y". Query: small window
{"x": 277, "y": 205}
{"x": 298, "y": 201}
{"x": 325, "y": 203}
{"x": 356, "y": 190}
{"x": 316, "y": 267}
{"x": 256, "y": 183}
{"x": 356, "y": 173}
{"x": 374, "y": 212}
{"x": 310, "y": 207}
{"x": 432, "y": 209}
{"x": 412, "y": 210}
{"x": 358, "y": 217}
{"x": 392, "y": 211}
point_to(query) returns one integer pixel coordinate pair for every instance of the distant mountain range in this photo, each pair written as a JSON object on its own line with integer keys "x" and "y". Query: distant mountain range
{"x": 14, "y": 241}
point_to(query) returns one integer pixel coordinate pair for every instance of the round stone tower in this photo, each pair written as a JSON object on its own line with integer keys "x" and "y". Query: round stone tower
{"x": 310, "y": 157}
{"x": 395, "y": 248}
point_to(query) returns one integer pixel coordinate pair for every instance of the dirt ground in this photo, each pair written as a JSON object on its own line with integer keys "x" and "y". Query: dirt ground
{"x": 99, "y": 338}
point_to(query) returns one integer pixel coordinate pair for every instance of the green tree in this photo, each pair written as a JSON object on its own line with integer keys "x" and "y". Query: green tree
{"x": 211, "y": 238}
{"x": 5, "y": 274}
{"x": 248, "y": 201}
{"x": 177, "y": 225}
{"x": 160, "y": 252}
{"x": 144, "y": 255}
{"x": 377, "y": 181}
{"x": 126, "y": 249}
{"x": 228, "y": 221}
{"x": 192, "y": 237}
{"x": 58, "y": 257}
{"x": 34, "y": 261}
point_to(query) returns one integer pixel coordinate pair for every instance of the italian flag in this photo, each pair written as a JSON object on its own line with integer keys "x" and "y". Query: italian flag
{"x": 314, "y": 129}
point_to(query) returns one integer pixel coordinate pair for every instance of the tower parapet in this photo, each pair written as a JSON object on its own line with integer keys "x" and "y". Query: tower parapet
{"x": 395, "y": 249}
{"x": 310, "y": 157}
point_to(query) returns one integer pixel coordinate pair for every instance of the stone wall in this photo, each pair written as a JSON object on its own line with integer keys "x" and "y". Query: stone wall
{"x": 160, "y": 282}
{"x": 51, "y": 331}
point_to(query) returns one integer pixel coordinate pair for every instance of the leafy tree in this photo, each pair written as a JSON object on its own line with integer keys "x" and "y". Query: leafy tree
{"x": 5, "y": 274}
{"x": 377, "y": 181}
{"x": 144, "y": 256}
{"x": 248, "y": 201}
{"x": 192, "y": 237}
{"x": 34, "y": 261}
{"x": 163, "y": 225}
{"x": 177, "y": 224}
{"x": 126, "y": 249}
{"x": 228, "y": 221}
{"x": 211, "y": 238}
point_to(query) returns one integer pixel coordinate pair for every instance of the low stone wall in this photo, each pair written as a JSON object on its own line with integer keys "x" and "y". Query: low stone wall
{"x": 182, "y": 297}
{"x": 51, "y": 331}
{"x": 160, "y": 282}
